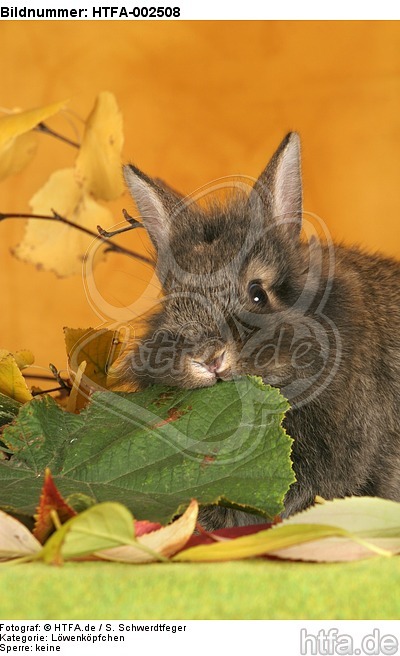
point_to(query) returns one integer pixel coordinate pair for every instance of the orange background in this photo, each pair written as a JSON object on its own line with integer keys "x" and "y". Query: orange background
{"x": 202, "y": 100}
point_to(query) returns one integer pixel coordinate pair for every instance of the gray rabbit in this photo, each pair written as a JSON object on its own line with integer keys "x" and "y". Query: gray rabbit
{"x": 243, "y": 294}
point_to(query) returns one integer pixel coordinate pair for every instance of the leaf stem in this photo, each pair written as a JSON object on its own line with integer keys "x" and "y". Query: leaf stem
{"x": 42, "y": 127}
{"x": 371, "y": 546}
{"x": 55, "y": 519}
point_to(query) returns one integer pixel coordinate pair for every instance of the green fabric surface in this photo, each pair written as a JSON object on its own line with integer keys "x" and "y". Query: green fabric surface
{"x": 258, "y": 589}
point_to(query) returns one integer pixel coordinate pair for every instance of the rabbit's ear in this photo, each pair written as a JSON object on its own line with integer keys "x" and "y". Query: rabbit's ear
{"x": 279, "y": 188}
{"x": 155, "y": 202}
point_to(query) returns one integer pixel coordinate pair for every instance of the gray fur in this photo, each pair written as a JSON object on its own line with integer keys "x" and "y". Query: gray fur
{"x": 340, "y": 308}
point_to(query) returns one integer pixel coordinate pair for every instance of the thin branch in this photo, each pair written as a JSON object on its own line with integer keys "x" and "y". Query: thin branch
{"x": 111, "y": 246}
{"x": 63, "y": 385}
{"x": 56, "y": 373}
{"x": 42, "y": 127}
{"x": 40, "y": 376}
{"x": 47, "y": 391}
{"x": 107, "y": 235}
{"x": 133, "y": 223}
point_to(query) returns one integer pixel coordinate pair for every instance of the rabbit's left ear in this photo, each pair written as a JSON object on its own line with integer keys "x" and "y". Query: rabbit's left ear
{"x": 279, "y": 188}
{"x": 156, "y": 203}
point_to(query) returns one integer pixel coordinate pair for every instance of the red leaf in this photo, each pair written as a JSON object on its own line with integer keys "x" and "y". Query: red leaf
{"x": 226, "y": 533}
{"x": 145, "y": 526}
{"x": 50, "y": 501}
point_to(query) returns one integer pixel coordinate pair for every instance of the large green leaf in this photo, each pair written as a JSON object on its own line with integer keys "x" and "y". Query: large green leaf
{"x": 9, "y": 409}
{"x": 155, "y": 450}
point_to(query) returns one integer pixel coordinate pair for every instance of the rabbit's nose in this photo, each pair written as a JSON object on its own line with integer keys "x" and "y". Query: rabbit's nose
{"x": 216, "y": 364}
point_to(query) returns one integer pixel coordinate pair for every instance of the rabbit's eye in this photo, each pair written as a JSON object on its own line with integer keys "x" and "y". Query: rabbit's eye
{"x": 257, "y": 295}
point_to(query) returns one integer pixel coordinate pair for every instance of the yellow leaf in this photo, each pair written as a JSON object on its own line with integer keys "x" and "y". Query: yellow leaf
{"x": 24, "y": 358}
{"x": 17, "y": 142}
{"x": 99, "y": 349}
{"x": 338, "y": 530}
{"x": 165, "y": 541}
{"x": 258, "y": 544}
{"x": 12, "y": 125}
{"x": 98, "y": 165}
{"x": 55, "y": 246}
{"x": 12, "y": 382}
{"x": 16, "y": 153}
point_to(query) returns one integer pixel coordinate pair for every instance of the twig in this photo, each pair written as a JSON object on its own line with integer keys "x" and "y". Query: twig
{"x": 42, "y": 127}
{"x": 63, "y": 383}
{"x": 47, "y": 391}
{"x": 133, "y": 223}
{"x": 111, "y": 246}
{"x": 107, "y": 235}
{"x": 40, "y": 376}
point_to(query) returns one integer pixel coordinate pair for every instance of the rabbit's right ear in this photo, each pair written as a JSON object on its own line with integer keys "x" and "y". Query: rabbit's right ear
{"x": 277, "y": 193}
{"x": 155, "y": 202}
